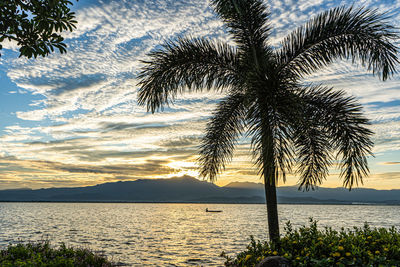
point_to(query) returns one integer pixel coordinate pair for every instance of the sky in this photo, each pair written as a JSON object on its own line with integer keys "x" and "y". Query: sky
{"x": 73, "y": 120}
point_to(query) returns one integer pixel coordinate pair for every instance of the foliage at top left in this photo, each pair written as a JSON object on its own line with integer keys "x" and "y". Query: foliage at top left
{"x": 36, "y": 26}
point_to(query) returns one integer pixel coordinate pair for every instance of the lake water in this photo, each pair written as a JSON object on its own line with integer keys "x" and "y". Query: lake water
{"x": 169, "y": 234}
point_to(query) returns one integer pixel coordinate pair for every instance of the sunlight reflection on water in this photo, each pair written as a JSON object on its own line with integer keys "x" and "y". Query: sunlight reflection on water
{"x": 169, "y": 234}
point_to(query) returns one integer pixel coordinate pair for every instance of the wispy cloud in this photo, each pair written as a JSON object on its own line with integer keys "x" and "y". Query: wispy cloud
{"x": 390, "y": 163}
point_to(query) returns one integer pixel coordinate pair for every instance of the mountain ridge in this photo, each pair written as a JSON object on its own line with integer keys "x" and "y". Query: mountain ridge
{"x": 188, "y": 189}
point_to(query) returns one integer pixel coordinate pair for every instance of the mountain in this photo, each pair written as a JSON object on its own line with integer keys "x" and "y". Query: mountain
{"x": 245, "y": 185}
{"x": 291, "y": 194}
{"x": 188, "y": 189}
{"x": 362, "y": 195}
{"x": 179, "y": 189}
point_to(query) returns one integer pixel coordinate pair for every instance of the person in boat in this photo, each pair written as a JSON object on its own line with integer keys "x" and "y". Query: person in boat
{"x": 207, "y": 210}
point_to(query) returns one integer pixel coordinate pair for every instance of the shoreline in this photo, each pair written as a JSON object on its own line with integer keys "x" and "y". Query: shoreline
{"x": 194, "y": 202}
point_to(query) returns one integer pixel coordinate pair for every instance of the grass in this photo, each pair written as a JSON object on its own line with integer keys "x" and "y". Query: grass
{"x": 309, "y": 246}
{"x": 42, "y": 254}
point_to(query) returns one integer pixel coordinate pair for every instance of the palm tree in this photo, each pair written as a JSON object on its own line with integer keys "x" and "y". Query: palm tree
{"x": 291, "y": 123}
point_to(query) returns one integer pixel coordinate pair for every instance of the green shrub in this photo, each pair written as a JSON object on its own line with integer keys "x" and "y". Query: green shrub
{"x": 309, "y": 246}
{"x": 42, "y": 254}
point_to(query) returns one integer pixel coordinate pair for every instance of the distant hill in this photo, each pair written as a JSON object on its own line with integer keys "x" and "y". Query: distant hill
{"x": 245, "y": 185}
{"x": 362, "y": 195}
{"x": 291, "y": 194}
{"x": 189, "y": 189}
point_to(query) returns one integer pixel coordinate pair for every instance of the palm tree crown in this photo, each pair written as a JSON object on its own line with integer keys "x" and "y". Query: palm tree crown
{"x": 290, "y": 123}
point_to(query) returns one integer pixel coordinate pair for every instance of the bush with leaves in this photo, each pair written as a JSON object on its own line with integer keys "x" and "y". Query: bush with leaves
{"x": 309, "y": 246}
{"x": 42, "y": 254}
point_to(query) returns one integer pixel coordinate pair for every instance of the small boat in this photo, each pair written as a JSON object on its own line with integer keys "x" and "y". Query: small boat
{"x": 207, "y": 210}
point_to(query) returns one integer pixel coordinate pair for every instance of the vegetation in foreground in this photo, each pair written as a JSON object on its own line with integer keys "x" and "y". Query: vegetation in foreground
{"x": 309, "y": 246}
{"x": 42, "y": 254}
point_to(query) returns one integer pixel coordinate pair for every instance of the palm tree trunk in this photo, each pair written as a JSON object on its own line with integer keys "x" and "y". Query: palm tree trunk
{"x": 269, "y": 173}
{"x": 272, "y": 208}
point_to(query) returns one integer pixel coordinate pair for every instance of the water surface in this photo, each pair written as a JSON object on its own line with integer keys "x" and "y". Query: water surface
{"x": 169, "y": 234}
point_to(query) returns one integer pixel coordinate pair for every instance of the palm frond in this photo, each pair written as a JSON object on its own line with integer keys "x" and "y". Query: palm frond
{"x": 270, "y": 142}
{"x": 313, "y": 153}
{"x": 222, "y": 132}
{"x": 341, "y": 33}
{"x": 192, "y": 64}
{"x": 340, "y": 118}
{"x": 247, "y": 20}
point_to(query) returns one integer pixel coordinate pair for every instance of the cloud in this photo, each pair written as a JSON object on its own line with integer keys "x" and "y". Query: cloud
{"x": 390, "y": 163}
{"x": 387, "y": 176}
{"x": 188, "y": 141}
{"x": 36, "y": 170}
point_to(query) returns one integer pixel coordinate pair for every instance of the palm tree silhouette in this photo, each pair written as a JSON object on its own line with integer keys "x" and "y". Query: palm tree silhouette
{"x": 291, "y": 123}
